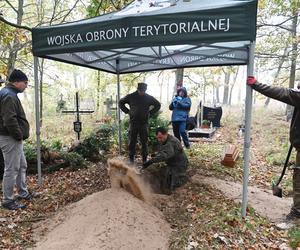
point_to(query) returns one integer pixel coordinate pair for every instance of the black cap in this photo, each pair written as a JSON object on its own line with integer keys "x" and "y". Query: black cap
{"x": 142, "y": 86}
{"x": 17, "y": 76}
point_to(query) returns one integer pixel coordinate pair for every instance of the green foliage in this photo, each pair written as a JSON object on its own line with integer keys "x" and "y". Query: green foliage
{"x": 30, "y": 151}
{"x": 275, "y": 158}
{"x": 74, "y": 160}
{"x": 56, "y": 145}
{"x": 101, "y": 140}
{"x": 97, "y": 7}
{"x": 154, "y": 122}
{"x": 61, "y": 105}
{"x": 206, "y": 122}
{"x": 105, "y": 135}
{"x": 294, "y": 236}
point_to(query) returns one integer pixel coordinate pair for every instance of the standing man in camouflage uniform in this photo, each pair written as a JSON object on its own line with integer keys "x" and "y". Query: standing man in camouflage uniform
{"x": 291, "y": 97}
{"x": 141, "y": 106}
{"x": 171, "y": 152}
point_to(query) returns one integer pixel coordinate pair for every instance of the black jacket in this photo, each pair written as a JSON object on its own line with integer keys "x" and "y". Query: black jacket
{"x": 139, "y": 107}
{"x": 288, "y": 96}
{"x": 13, "y": 121}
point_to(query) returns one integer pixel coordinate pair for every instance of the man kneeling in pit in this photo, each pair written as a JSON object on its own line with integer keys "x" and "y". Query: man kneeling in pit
{"x": 171, "y": 152}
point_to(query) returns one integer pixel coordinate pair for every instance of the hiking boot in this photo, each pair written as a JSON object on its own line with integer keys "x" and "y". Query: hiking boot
{"x": 291, "y": 220}
{"x": 13, "y": 205}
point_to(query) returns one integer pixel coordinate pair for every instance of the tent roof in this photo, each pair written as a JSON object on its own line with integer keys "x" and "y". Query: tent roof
{"x": 150, "y": 35}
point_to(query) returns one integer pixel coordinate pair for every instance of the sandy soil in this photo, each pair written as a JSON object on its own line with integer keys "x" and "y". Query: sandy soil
{"x": 263, "y": 201}
{"x": 111, "y": 219}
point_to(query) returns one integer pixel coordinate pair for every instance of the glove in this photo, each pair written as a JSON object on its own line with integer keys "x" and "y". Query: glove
{"x": 251, "y": 80}
{"x": 147, "y": 164}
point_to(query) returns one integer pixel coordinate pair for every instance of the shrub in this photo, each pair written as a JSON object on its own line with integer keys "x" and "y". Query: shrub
{"x": 154, "y": 122}
{"x": 73, "y": 160}
{"x": 56, "y": 145}
{"x": 30, "y": 152}
{"x": 100, "y": 140}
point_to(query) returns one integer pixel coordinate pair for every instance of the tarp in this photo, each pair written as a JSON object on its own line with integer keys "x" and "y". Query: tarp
{"x": 150, "y": 35}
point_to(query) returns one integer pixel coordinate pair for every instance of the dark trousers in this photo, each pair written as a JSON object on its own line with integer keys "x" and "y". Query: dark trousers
{"x": 140, "y": 130}
{"x": 179, "y": 131}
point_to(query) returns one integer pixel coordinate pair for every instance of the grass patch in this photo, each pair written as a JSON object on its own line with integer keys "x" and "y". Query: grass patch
{"x": 294, "y": 235}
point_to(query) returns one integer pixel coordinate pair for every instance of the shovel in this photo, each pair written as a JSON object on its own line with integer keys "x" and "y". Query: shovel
{"x": 277, "y": 191}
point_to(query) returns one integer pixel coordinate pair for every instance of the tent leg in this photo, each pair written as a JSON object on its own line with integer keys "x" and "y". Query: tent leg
{"x": 37, "y": 119}
{"x": 118, "y": 108}
{"x": 247, "y": 139}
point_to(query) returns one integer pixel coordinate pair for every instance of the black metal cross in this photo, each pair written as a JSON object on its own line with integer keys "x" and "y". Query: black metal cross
{"x": 77, "y": 123}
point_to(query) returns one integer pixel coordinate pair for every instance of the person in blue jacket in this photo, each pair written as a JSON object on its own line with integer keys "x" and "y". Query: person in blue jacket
{"x": 180, "y": 105}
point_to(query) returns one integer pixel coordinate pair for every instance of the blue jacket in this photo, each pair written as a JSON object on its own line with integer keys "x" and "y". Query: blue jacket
{"x": 181, "y": 107}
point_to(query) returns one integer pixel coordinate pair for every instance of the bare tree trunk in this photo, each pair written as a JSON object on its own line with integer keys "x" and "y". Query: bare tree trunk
{"x": 294, "y": 55}
{"x": 233, "y": 84}
{"x": 226, "y": 87}
{"x": 75, "y": 80}
{"x": 41, "y": 70}
{"x": 283, "y": 58}
{"x": 218, "y": 94}
{"x": 160, "y": 82}
{"x": 13, "y": 52}
{"x": 168, "y": 86}
{"x": 178, "y": 80}
{"x": 98, "y": 91}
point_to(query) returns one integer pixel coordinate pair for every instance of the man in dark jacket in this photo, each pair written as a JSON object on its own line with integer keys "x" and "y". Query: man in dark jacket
{"x": 141, "y": 106}
{"x": 291, "y": 97}
{"x": 14, "y": 128}
{"x": 171, "y": 152}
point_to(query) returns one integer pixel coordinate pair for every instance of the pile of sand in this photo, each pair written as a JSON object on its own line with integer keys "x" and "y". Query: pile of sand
{"x": 111, "y": 219}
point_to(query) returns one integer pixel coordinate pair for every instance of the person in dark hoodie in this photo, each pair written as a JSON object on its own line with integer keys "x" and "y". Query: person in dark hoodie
{"x": 291, "y": 97}
{"x": 14, "y": 128}
{"x": 141, "y": 106}
{"x": 180, "y": 105}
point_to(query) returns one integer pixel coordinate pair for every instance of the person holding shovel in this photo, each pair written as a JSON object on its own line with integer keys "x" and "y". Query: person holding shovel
{"x": 291, "y": 97}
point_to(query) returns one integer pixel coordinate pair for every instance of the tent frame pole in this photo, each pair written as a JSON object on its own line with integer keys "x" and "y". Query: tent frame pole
{"x": 118, "y": 106}
{"x": 37, "y": 119}
{"x": 247, "y": 138}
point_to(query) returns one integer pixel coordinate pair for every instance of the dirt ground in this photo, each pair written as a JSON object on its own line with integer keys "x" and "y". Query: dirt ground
{"x": 110, "y": 219}
{"x": 262, "y": 200}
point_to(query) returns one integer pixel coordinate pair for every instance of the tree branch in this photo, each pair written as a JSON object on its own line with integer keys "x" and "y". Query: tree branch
{"x": 11, "y": 6}
{"x": 69, "y": 12}
{"x": 2, "y": 19}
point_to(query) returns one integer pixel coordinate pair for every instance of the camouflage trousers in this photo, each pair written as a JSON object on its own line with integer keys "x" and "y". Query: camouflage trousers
{"x": 165, "y": 179}
{"x": 296, "y": 183}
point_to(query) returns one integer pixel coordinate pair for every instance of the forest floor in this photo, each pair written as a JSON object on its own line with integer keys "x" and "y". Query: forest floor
{"x": 199, "y": 214}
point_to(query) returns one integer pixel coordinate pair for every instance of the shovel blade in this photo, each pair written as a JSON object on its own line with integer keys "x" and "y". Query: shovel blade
{"x": 277, "y": 191}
